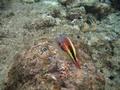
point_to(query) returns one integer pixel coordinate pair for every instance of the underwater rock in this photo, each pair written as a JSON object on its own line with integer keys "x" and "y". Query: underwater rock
{"x": 55, "y": 13}
{"x": 74, "y": 3}
{"x": 86, "y": 23}
{"x": 89, "y": 2}
{"x": 106, "y": 50}
{"x": 1, "y": 4}
{"x": 95, "y": 7}
{"x": 41, "y": 22}
{"x": 45, "y": 66}
{"x": 58, "y": 12}
{"x": 76, "y": 13}
{"x": 4, "y": 4}
{"x": 115, "y": 4}
{"x": 29, "y": 1}
{"x": 65, "y": 2}
{"x": 99, "y": 10}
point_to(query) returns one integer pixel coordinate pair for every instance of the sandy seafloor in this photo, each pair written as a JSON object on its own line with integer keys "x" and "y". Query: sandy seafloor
{"x": 23, "y": 22}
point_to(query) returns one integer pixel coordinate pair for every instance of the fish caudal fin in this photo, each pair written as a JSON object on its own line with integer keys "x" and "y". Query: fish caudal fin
{"x": 77, "y": 63}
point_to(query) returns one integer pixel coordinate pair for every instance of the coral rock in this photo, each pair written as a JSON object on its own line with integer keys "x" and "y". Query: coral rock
{"x": 46, "y": 67}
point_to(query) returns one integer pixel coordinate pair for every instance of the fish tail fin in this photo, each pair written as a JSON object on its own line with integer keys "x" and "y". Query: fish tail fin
{"x": 77, "y": 63}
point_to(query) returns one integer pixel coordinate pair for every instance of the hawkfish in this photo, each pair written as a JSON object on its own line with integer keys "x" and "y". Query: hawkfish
{"x": 66, "y": 44}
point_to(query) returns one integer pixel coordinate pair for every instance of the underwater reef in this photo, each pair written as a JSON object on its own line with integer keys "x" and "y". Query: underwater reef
{"x": 34, "y": 56}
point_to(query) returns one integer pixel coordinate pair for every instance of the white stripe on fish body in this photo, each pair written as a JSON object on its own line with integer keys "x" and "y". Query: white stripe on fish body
{"x": 72, "y": 46}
